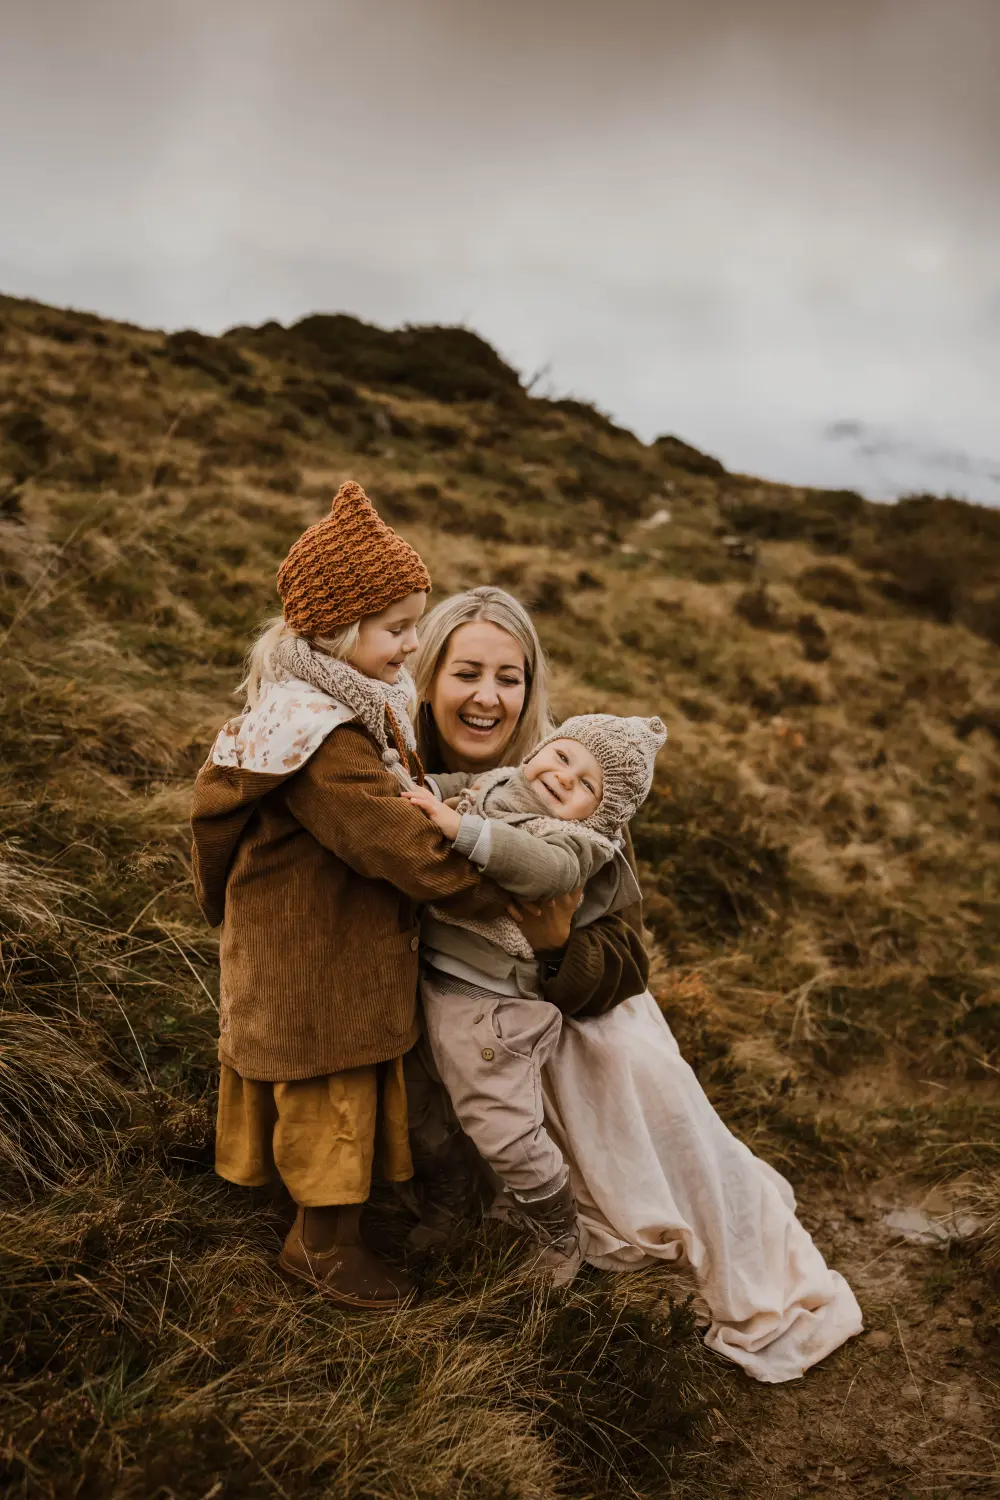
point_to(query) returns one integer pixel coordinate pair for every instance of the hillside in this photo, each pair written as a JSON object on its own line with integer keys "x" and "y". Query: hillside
{"x": 820, "y": 858}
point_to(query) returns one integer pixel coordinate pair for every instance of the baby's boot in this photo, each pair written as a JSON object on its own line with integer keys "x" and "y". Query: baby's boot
{"x": 554, "y": 1222}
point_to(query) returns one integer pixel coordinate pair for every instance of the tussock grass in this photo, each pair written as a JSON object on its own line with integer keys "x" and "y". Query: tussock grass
{"x": 819, "y": 856}
{"x": 191, "y": 1363}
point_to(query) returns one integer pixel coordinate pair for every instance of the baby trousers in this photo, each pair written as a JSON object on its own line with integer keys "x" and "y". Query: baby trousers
{"x": 490, "y": 1050}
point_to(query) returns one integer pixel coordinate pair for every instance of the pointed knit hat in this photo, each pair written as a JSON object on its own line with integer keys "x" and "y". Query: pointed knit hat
{"x": 349, "y": 565}
{"x": 625, "y": 750}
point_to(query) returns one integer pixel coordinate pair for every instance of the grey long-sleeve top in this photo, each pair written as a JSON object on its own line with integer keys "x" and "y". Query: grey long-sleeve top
{"x": 605, "y": 961}
{"x": 536, "y": 865}
{"x": 549, "y": 860}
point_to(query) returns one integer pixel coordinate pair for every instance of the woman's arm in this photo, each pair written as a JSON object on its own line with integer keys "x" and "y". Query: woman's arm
{"x": 603, "y": 964}
{"x": 596, "y": 967}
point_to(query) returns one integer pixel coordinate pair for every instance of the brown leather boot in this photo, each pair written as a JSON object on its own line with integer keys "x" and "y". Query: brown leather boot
{"x": 554, "y": 1223}
{"x": 324, "y": 1248}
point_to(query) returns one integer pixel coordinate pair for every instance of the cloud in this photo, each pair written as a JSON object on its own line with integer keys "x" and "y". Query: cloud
{"x": 949, "y": 466}
{"x": 727, "y": 221}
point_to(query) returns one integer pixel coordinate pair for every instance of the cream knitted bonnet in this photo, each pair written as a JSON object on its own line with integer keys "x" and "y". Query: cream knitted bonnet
{"x": 625, "y": 750}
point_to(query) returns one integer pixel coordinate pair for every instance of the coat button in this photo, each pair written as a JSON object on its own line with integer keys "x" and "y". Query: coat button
{"x": 487, "y": 1054}
{"x": 414, "y": 944}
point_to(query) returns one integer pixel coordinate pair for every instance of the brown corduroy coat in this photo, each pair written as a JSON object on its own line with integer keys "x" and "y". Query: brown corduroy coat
{"x": 315, "y": 877}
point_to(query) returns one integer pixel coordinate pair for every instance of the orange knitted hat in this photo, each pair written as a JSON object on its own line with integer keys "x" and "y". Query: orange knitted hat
{"x": 349, "y": 565}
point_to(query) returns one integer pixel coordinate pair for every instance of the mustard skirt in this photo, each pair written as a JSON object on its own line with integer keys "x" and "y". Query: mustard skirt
{"x": 321, "y": 1136}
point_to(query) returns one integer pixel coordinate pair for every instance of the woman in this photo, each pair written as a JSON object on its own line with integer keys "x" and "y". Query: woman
{"x": 482, "y": 696}
{"x": 656, "y": 1173}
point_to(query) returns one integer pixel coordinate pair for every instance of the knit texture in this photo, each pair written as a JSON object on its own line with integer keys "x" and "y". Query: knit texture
{"x": 349, "y": 565}
{"x": 625, "y": 750}
{"x": 534, "y": 855}
{"x": 604, "y": 963}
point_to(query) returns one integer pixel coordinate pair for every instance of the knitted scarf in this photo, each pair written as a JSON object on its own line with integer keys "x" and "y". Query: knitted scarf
{"x": 382, "y": 708}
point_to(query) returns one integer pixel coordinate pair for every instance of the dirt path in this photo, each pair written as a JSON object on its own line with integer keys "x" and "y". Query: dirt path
{"x": 911, "y": 1408}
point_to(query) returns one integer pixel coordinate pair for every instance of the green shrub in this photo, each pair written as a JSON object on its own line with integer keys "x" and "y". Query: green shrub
{"x": 191, "y": 350}
{"x": 676, "y": 454}
{"x": 826, "y": 518}
{"x": 711, "y": 868}
{"x": 449, "y": 364}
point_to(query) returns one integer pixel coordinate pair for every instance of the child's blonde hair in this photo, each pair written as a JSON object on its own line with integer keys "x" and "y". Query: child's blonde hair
{"x": 258, "y": 664}
{"x": 497, "y": 608}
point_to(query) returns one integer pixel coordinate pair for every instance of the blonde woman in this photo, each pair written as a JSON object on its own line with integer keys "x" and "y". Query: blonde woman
{"x": 656, "y": 1174}
{"x": 481, "y": 682}
{"x": 482, "y": 702}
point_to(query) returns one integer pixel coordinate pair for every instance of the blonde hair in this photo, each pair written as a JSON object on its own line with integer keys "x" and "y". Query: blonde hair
{"x": 258, "y": 664}
{"x": 497, "y": 608}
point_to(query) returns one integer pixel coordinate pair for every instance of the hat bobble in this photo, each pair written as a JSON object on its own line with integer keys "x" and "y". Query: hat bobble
{"x": 349, "y": 565}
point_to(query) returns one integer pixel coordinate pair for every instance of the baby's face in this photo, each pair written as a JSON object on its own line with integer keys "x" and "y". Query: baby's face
{"x": 567, "y": 778}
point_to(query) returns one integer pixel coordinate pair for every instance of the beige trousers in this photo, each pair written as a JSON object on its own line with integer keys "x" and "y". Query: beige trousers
{"x": 490, "y": 1050}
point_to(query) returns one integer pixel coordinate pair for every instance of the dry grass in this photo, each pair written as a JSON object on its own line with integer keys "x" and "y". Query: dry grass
{"x": 819, "y": 857}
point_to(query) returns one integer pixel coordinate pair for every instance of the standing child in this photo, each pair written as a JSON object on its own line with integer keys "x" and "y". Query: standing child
{"x": 313, "y": 865}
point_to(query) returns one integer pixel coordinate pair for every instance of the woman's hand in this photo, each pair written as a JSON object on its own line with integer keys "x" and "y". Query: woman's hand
{"x": 443, "y": 817}
{"x": 547, "y": 924}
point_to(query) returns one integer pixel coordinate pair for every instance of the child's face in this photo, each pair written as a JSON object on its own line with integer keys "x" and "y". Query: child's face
{"x": 388, "y": 638}
{"x": 567, "y": 778}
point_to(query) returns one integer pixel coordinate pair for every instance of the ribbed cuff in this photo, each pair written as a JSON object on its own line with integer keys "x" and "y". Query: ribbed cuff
{"x": 468, "y": 834}
{"x": 570, "y": 987}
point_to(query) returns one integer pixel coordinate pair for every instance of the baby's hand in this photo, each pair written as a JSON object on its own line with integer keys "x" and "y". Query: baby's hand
{"x": 444, "y": 818}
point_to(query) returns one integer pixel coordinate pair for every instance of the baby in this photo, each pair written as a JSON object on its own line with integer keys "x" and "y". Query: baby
{"x": 539, "y": 830}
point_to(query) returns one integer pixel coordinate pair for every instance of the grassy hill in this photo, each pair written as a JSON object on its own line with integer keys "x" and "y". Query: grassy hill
{"x": 820, "y": 858}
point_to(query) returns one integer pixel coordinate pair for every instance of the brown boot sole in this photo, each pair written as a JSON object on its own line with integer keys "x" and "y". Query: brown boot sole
{"x": 390, "y": 1304}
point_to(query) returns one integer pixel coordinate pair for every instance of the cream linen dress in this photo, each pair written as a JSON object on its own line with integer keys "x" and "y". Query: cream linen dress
{"x": 659, "y": 1177}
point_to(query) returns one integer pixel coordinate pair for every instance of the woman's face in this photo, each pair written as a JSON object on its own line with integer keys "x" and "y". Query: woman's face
{"x": 477, "y": 696}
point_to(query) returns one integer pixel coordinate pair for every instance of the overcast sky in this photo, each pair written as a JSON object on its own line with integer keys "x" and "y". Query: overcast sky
{"x": 769, "y": 226}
